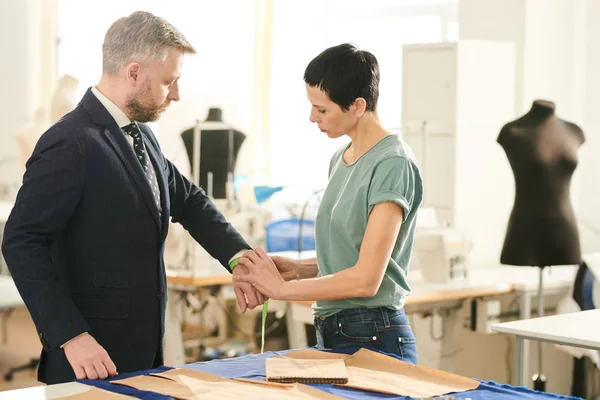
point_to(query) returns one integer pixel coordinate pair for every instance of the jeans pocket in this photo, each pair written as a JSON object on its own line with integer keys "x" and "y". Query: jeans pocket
{"x": 408, "y": 348}
{"x": 360, "y": 333}
{"x": 399, "y": 340}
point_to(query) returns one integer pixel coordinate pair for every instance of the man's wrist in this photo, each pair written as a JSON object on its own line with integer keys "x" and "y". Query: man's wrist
{"x": 234, "y": 263}
{"x": 69, "y": 341}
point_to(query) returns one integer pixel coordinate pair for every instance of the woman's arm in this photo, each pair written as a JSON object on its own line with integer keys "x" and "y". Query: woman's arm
{"x": 360, "y": 280}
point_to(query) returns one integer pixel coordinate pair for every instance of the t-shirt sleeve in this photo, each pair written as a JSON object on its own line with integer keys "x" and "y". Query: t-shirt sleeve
{"x": 397, "y": 180}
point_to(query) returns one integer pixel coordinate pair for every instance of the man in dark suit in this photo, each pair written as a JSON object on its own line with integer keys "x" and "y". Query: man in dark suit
{"x": 86, "y": 237}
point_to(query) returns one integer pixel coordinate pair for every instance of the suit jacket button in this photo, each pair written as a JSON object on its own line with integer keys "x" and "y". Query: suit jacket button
{"x": 159, "y": 295}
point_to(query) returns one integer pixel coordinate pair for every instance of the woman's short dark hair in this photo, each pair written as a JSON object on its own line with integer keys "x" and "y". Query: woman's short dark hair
{"x": 345, "y": 73}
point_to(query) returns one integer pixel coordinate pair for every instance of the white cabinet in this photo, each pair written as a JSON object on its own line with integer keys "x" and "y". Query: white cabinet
{"x": 455, "y": 99}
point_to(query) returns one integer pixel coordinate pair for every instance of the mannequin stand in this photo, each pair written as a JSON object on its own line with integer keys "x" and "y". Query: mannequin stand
{"x": 539, "y": 379}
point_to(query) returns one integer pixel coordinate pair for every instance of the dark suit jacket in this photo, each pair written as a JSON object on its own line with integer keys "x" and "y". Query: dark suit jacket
{"x": 85, "y": 246}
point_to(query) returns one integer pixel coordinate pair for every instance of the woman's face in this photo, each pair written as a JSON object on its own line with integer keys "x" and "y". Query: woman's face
{"x": 329, "y": 117}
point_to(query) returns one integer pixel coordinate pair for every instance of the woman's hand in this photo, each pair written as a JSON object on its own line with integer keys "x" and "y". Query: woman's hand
{"x": 262, "y": 274}
{"x": 247, "y": 296}
{"x": 287, "y": 267}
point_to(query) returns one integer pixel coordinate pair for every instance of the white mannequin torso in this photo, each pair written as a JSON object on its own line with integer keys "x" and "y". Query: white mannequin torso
{"x": 63, "y": 101}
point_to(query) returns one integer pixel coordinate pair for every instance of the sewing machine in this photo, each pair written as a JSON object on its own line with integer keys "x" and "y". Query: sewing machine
{"x": 440, "y": 252}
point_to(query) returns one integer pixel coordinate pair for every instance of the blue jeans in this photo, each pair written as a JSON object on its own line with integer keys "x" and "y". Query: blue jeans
{"x": 379, "y": 328}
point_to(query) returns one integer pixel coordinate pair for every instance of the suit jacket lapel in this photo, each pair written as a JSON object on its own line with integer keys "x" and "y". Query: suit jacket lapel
{"x": 119, "y": 143}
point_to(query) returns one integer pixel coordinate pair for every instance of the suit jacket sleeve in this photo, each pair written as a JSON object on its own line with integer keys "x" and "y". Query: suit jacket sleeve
{"x": 192, "y": 208}
{"x": 52, "y": 186}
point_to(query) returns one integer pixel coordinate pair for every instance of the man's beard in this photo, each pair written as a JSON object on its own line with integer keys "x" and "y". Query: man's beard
{"x": 142, "y": 110}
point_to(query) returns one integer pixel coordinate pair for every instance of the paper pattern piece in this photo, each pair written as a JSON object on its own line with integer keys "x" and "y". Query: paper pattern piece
{"x": 376, "y": 372}
{"x": 290, "y": 370}
{"x": 366, "y": 369}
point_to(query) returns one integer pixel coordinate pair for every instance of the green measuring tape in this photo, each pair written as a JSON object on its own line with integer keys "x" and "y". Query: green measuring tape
{"x": 232, "y": 265}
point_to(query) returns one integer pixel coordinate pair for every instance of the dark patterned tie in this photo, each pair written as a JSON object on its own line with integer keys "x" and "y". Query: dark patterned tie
{"x": 140, "y": 151}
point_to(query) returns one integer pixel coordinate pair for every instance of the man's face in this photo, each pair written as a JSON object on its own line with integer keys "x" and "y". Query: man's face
{"x": 329, "y": 116}
{"x": 157, "y": 88}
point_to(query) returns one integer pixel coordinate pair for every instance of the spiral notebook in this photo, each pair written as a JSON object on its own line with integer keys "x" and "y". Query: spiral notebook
{"x": 290, "y": 370}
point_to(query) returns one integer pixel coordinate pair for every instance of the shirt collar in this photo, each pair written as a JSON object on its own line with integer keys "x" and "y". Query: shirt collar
{"x": 119, "y": 116}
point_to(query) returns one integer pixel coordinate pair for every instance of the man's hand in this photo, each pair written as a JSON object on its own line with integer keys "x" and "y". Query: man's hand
{"x": 88, "y": 359}
{"x": 247, "y": 296}
{"x": 287, "y": 267}
{"x": 262, "y": 274}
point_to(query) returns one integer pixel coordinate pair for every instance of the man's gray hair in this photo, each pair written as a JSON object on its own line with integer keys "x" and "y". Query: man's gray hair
{"x": 140, "y": 37}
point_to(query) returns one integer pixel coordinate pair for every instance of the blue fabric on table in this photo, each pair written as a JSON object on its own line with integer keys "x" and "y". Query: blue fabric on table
{"x": 253, "y": 367}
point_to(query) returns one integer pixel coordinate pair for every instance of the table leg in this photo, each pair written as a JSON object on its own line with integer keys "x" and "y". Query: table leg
{"x": 525, "y": 313}
{"x": 174, "y": 352}
{"x": 296, "y": 318}
{"x": 451, "y": 328}
{"x": 222, "y": 317}
{"x": 519, "y": 361}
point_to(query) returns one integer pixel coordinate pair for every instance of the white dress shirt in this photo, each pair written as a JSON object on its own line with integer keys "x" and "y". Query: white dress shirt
{"x": 118, "y": 115}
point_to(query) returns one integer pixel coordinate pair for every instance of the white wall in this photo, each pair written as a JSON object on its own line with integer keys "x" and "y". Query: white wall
{"x": 589, "y": 165}
{"x": 501, "y": 20}
{"x": 553, "y": 55}
{"x": 19, "y": 78}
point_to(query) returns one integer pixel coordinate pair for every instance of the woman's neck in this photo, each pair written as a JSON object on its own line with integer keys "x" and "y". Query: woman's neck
{"x": 367, "y": 133}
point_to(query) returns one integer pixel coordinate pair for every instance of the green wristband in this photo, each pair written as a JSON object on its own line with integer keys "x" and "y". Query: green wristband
{"x": 234, "y": 263}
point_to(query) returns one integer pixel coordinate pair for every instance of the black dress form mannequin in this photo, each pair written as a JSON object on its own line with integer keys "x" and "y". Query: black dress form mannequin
{"x": 216, "y": 156}
{"x": 542, "y": 151}
{"x": 542, "y": 231}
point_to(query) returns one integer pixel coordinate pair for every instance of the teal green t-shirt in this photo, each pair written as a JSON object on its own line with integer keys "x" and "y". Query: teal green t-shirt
{"x": 387, "y": 172}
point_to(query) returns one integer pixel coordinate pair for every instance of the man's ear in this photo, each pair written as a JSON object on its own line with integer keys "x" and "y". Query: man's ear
{"x": 359, "y": 107}
{"x": 132, "y": 73}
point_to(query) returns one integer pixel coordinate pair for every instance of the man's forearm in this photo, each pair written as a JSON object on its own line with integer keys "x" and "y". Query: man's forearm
{"x": 194, "y": 210}
{"x": 307, "y": 268}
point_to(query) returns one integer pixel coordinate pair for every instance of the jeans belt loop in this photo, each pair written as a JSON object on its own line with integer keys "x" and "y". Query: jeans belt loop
{"x": 386, "y": 317}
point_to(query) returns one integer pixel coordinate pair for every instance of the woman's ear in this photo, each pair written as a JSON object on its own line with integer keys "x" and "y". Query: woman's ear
{"x": 359, "y": 107}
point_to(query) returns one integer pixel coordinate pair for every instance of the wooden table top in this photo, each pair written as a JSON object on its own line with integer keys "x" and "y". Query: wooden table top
{"x": 441, "y": 296}
{"x": 419, "y": 298}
